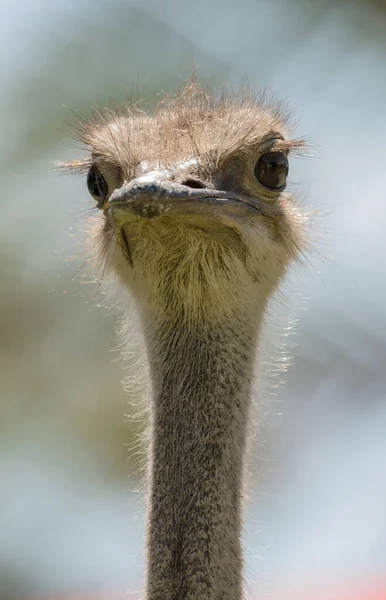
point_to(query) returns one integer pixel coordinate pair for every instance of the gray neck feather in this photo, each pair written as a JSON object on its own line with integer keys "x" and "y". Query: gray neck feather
{"x": 202, "y": 379}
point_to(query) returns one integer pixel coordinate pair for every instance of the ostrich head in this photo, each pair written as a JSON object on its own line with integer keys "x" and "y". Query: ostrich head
{"x": 195, "y": 221}
{"x": 193, "y": 199}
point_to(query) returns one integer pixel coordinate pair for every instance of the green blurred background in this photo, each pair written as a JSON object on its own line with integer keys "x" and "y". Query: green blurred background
{"x": 71, "y": 505}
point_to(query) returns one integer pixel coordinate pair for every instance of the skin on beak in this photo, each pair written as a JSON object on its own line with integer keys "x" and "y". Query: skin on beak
{"x": 149, "y": 199}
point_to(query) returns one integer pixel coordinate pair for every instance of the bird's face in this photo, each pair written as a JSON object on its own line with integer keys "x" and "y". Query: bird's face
{"x": 193, "y": 200}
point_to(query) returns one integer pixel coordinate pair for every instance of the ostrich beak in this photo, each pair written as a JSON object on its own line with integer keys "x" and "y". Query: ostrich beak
{"x": 155, "y": 199}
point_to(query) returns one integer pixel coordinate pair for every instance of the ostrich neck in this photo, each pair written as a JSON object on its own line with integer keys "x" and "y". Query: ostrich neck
{"x": 202, "y": 380}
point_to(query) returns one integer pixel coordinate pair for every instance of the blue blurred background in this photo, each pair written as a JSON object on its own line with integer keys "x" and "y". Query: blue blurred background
{"x": 71, "y": 503}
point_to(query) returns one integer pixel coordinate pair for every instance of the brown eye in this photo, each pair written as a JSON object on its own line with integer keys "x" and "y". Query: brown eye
{"x": 271, "y": 170}
{"x": 97, "y": 185}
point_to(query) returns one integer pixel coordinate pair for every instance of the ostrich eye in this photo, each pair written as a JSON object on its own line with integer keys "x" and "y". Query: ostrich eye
{"x": 271, "y": 170}
{"x": 97, "y": 185}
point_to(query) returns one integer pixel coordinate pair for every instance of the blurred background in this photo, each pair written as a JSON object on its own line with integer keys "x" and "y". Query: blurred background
{"x": 71, "y": 505}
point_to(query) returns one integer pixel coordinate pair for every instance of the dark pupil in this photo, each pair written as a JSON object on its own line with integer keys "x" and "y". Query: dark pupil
{"x": 97, "y": 184}
{"x": 272, "y": 169}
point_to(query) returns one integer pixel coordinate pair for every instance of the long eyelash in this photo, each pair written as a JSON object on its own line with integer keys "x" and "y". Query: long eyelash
{"x": 295, "y": 147}
{"x": 73, "y": 166}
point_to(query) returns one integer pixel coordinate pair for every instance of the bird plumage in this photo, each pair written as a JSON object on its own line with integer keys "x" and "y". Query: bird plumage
{"x": 193, "y": 227}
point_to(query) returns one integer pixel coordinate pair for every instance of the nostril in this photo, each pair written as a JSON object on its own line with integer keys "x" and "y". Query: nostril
{"x": 193, "y": 183}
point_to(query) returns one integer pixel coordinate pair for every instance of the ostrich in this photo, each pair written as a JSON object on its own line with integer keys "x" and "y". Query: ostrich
{"x": 195, "y": 224}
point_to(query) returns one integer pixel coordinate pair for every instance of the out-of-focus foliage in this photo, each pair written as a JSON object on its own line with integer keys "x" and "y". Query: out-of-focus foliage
{"x": 68, "y": 519}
